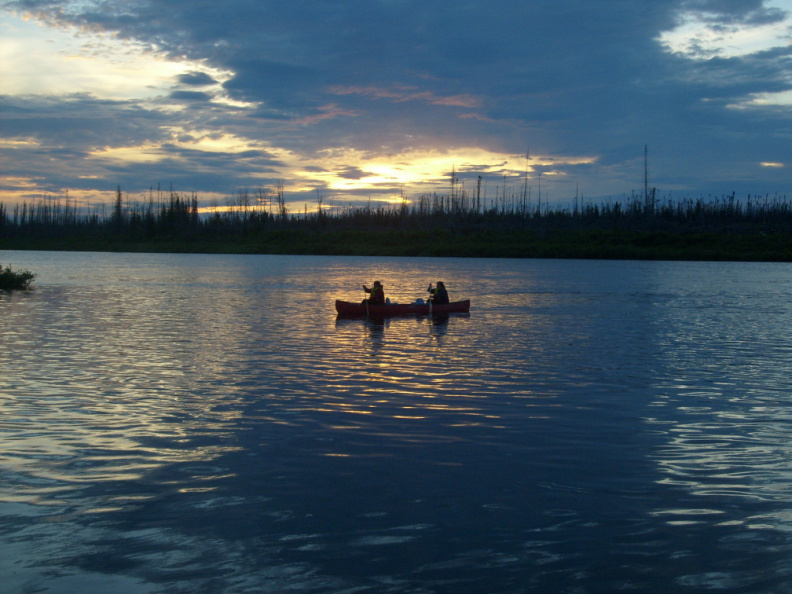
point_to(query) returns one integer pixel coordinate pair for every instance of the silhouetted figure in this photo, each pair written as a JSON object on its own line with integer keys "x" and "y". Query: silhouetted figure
{"x": 439, "y": 295}
{"x": 376, "y": 294}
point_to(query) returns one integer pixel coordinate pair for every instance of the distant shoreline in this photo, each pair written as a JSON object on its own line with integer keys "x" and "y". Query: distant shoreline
{"x": 592, "y": 243}
{"x": 436, "y": 226}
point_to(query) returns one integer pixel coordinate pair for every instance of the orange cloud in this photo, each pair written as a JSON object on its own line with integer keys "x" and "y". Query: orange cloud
{"x": 475, "y": 116}
{"x": 328, "y": 113}
{"x": 402, "y": 93}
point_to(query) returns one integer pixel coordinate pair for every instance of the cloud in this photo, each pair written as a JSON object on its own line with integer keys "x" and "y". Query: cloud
{"x": 353, "y": 173}
{"x": 326, "y": 112}
{"x": 400, "y": 93}
{"x": 196, "y": 79}
{"x": 190, "y": 96}
{"x": 584, "y": 84}
{"x": 709, "y": 29}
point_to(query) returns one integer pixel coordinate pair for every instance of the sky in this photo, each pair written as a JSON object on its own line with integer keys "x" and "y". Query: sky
{"x": 346, "y": 101}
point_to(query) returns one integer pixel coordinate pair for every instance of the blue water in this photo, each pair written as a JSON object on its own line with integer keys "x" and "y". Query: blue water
{"x": 193, "y": 423}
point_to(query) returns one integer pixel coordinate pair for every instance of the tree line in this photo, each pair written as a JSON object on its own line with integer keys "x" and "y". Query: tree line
{"x": 173, "y": 216}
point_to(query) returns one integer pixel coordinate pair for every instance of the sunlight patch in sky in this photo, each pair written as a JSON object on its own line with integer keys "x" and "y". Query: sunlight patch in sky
{"x": 147, "y": 153}
{"x": 36, "y": 59}
{"x": 212, "y": 141}
{"x": 760, "y": 99}
{"x": 350, "y": 170}
{"x": 702, "y": 36}
{"x": 12, "y": 143}
{"x": 194, "y": 141}
{"x": 17, "y": 190}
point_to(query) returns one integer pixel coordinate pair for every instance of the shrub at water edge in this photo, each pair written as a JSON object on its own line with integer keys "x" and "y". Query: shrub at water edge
{"x": 15, "y": 279}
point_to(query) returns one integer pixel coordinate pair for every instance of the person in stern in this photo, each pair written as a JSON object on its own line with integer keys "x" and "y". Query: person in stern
{"x": 439, "y": 295}
{"x": 376, "y": 294}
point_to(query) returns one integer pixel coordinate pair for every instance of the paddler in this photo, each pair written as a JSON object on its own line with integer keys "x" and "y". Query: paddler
{"x": 439, "y": 295}
{"x": 376, "y": 294}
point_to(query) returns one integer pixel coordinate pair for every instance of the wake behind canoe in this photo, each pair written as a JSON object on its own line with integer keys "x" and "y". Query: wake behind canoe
{"x": 347, "y": 308}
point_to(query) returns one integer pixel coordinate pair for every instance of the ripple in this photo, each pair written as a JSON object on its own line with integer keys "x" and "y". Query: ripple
{"x": 185, "y": 422}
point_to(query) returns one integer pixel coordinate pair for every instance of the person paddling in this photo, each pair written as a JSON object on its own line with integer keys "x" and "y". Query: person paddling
{"x": 439, "y": 295}
{"x": 376, "y": 294}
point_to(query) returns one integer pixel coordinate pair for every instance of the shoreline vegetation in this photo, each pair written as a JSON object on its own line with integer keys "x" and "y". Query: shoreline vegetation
{"x": 11, "y": 280}
{"x": 453, "y": 225}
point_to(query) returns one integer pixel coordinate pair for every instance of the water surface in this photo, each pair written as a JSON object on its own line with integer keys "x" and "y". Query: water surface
{"x": 194, "y": 423}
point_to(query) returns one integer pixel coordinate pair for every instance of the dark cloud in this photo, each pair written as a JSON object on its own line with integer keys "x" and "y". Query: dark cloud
{"x": 353, "y": 173}
{"x": 190, "y": 96}
{"x": 730, "y": 12}
{"x": 279, "y": 84}
{"x": 79, "y": 121}
{"x": 196, "y": 79}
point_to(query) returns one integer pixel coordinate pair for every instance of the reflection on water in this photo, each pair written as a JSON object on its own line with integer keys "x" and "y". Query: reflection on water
{"x": 193, "y": 423}
{"x": 378, "y": 329}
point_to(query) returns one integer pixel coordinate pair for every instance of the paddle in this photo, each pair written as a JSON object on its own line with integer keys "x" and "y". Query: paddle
{"x": 365, "y": 300}
{"x": 430, "y": 299}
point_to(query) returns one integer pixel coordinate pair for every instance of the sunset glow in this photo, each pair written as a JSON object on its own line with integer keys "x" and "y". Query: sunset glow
{"x": 352, "y": 108}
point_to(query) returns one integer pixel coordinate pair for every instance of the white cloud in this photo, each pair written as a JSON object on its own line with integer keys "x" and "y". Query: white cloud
{"x": 702, "y": 35}
{"x": 35, "y": 59}
{"x": 760, "y": 99}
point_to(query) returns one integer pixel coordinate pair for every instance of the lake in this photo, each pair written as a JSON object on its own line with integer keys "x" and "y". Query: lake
{"x": 205, "y": 423}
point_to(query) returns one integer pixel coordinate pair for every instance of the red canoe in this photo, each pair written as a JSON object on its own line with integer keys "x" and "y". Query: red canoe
{"x": 346, "y": 308}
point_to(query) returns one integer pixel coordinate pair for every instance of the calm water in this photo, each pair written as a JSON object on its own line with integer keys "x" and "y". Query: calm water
{"x": 186, "y": 423}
